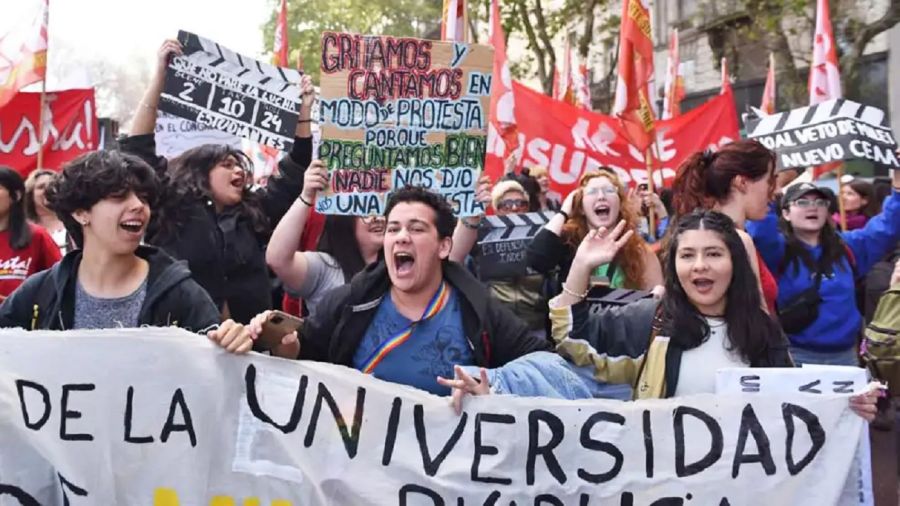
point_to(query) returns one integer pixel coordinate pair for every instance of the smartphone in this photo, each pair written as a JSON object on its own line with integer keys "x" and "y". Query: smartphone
{"x": 643, "y": 187}
{"x": 278, "y": 325}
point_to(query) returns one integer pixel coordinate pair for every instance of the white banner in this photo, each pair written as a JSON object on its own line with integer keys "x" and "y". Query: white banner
{"x": 176, "y": 135}
{"x": 161, "y": 417}
{"x": 812, "y": 380}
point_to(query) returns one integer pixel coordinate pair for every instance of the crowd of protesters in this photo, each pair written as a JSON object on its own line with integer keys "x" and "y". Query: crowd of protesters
{"x": 728, "y": 272}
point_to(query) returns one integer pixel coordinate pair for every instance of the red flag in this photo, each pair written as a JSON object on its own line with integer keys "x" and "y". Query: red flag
{"x": 632, "y": 105}
{"x": 453, "y": 22}
{"x": 583, "y": 87}
{"x": 70, "y": 127}
{"x": 23, "y": 52}
{"x": 768, "y": 99}
{"x": 674, "y": 81}
{"x": 281, "y": 39}
{"x": 824, "y": 73}
{"x": 501, "y": 113}
{"x": 726, "y": 79}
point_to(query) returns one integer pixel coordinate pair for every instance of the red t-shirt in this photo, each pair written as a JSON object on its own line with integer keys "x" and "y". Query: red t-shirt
{"x": 16, "y": 265}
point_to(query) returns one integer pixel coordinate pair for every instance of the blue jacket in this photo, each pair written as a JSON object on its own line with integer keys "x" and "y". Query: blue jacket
{"x": 839, "y": 321}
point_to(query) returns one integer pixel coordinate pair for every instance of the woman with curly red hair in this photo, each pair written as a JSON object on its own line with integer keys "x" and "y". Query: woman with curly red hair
{"x": 598, "y": 202}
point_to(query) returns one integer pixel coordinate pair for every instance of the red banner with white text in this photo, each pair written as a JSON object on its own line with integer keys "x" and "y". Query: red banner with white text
{"x": 70, "y": 129}
{"x": 568, "y": 140}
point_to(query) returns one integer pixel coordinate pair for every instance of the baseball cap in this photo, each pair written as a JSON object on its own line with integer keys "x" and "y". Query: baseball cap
{"x": 795, "y": 192}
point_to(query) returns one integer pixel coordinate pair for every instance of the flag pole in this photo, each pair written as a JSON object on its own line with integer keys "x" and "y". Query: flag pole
{"x": 841, "y": 210}
{"x": 40, "y": 154}
{"x": 651, "y": 187}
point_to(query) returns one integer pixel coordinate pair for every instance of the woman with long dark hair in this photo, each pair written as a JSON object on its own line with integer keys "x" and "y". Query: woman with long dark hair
{"x": 860, "y": 203}
{"x": 598, "y": 202}
{"x": 817, "y": 268}
{"x": 24, "y": 248}
{"x": 710, "y": 317}
{"x": 737, "y": 180}
{"x": 36, "y": 207}
{"x": 209, "y": 214}
{"x": 346, "y": 246}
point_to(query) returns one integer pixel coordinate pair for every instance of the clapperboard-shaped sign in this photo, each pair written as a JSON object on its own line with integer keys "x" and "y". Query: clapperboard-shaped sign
{"x": 503, "y": 240}
{"x": 219, "y": 88}
{"x": 828, "y": 132}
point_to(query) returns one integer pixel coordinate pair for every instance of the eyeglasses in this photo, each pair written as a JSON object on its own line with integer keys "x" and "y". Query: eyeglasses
{"x": 374, "y": 223}
{"x": 510, "y": 204}
{"x": 804, "y": 203}
{"x": 608, "y": 190}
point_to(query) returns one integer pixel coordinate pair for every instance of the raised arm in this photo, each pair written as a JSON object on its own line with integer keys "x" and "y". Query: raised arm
{"x": 465, "y": 235}
{"x": 282, "y": 254}
{"x": 144, "y": 121}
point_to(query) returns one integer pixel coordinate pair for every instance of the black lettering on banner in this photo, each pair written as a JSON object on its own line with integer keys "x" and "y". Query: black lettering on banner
{"x": 816, "y": 433}
{"x": 810, "y": 387}
{"x": 750, "y": 383}
{"x": 843, "y": 387}
{"x": 412, "y": 488}
{"x": 186, "y": 426}
{"x": 716, "y": 445}
{"x": 129, "y": 415}
{"x": 45, "y": 396}
{"x": 65, "y": 484}
{"x": 648, "y": 444}
{"x": 543, "y": 499}
{"x": 253, "y": 402}
{"x": 750, "y": 425}
{"x": 351, "y": 437}
{"x": 431, "y": 466}
{"x": 67, "y": 414}
{"x": 592, "y": 444}
{"x": 535, "y": 449}
{"x": 391, "y": 437}
{"x": 482, "y": 449}
{"x": 24, "y": 498}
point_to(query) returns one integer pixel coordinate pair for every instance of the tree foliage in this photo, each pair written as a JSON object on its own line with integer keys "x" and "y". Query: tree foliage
{"x": 307, "y": 19}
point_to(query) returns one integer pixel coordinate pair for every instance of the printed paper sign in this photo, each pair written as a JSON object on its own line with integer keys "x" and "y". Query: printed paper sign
{"x": 176, "y": 135}
{"x": 832, "y": 131}
{"x": 161, "y": 417}
{"x": 397, "y": 112}
{"x": 503, "y": 241}
{"x": 816, "y": 380}
{"x": 219, "y": 88}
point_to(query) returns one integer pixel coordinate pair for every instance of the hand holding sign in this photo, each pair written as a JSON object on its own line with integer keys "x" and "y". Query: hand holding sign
{"x": 168, "y": 49}
{"x": 314, "y": 181}
{"x": 232, "y": 336}
{"x": 465, "y": 384}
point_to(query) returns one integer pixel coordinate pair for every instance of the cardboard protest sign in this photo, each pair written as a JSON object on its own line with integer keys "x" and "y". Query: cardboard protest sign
{"x": 161, "y": 417}
{"x": 217, "y": 87}
{"x": 812, "y": 380}
{"x": 176, "y": 135}
{"x": 502, "y": 241}
{"x": 569, "y": 141}
{"x": 70, "y": 117}
{"x": 401, "y": 111}
{"x": 828, "y": 132}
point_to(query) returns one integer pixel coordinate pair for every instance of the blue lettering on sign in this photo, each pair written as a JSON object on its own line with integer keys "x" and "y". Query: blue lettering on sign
{"x": 479, "y": 84}
{"x": 457, "y": 178}
{"x": 459, "y": 53}
{"x": 359, "y": 204}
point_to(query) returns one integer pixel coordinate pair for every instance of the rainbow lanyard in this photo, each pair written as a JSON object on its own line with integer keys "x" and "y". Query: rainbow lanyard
{"x": 437, "y": 303}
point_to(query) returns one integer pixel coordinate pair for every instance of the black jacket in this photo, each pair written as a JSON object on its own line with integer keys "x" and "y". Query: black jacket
{"x": 547, "y": 252}
{"x": 46, "y": 300}
{"x": 224, "y": 253}
{"x": 494, "y": 334}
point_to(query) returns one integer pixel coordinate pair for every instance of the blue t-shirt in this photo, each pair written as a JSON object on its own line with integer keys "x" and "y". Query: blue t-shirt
{"x": 436, "y": 345}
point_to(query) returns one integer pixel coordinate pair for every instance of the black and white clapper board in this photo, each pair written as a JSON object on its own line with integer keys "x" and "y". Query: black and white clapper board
{"x": 217, "y": 87}
{"x": 832, "y": 131}
{"x": 503, "y": 240}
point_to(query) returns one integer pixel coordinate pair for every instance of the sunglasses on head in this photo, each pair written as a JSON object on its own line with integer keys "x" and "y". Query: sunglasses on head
{"x": 512, "y": 204}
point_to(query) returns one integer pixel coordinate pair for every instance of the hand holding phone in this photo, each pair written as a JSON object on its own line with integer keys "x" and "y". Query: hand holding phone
{"x": 273, "y": 327}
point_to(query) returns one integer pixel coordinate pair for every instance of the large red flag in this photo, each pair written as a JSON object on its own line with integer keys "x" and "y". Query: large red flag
{"x": 501, "y": 113}
{"x": 23, "y": 51}
{"x": 280, "y": 48}
{"x": 768, "y": 99}
{"x": 824, "y": 74}
{"x": 674, "y": 80}
{"x": 633, "y": 106}
{"x": 453, "y": 21}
